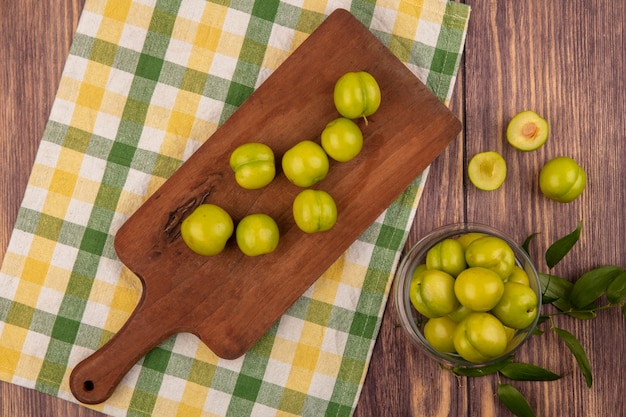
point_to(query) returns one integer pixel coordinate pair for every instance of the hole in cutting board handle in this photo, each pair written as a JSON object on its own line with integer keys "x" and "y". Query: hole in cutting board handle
{"x": 88, "y": 385}
{"x": 94, "y": 379}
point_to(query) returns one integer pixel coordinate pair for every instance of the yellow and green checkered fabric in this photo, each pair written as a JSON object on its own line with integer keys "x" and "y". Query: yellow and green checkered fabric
{"x": 145, "y": 83}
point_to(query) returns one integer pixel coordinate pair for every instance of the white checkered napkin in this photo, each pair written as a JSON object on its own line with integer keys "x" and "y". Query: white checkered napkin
{"x": 145, "y": 83}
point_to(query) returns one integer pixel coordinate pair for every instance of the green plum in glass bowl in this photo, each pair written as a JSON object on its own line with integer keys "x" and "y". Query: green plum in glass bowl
{"x": 467, "y": 295}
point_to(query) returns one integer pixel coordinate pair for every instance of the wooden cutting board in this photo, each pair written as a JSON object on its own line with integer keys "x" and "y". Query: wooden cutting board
{"x": 230, "y": 300}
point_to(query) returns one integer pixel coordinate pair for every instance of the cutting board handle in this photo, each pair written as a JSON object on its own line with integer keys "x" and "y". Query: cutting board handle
{"x": 95, "y": 378}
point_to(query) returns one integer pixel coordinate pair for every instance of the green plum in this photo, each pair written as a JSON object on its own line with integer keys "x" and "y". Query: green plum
{"x": 448, "y": 256}
{"x": 478, "y": 288}
{"x": 439, "y": 332}
{"x": 517, "y": 307}
{"x": 561, "y": 179}
{"x": 480, "y": 337}
{"x": 527, "y": 131}
{"x": 493, "y": 253}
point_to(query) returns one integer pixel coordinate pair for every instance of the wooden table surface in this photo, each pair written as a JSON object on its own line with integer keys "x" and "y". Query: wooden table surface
{"x": 564, "y": 60}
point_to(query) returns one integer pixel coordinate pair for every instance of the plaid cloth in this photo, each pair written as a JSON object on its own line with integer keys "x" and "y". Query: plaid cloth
{"x": 146, "y": 82}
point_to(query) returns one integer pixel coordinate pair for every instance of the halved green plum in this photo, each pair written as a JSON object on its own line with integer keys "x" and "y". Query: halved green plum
{"x": 527, "y": 131}
{"x": 487, "y": 170}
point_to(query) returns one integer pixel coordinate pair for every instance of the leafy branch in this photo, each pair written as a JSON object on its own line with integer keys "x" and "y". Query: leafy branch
{"x": 578, "y": 299}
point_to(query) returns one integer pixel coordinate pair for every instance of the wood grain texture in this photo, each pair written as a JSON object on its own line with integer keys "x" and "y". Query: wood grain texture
{"x": 35, "y": 39}
{"x": 563, "y": 59}
{"x": 36, "y": 36}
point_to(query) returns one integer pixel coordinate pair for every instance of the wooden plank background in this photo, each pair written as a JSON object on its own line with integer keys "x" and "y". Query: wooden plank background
{"x": 564, "y": 60}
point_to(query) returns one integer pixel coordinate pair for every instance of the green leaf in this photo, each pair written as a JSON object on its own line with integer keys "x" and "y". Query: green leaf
{"x": 616, "y": 291}
{"x": 526, "y": 243}
{"x": 578, "y": 351}
{"x": 592, "y": 284}
{"x": 537, "y": 331}
{"x": 542, "y": 319}
{"x": 561, "y": 247}
{"x": 514, "y": 401}
{"x": 556, "y": 289}
{"x": 547, "y": 300}
{"x": 485, "y": 370}
{"x": 527, "y": 372}
{"x": 586, "y": 313}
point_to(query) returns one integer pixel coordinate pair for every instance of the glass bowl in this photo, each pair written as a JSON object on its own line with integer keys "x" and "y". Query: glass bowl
{"x": 413, "y": 322}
